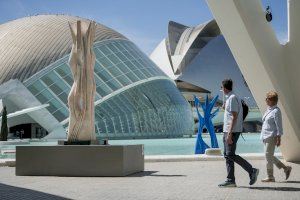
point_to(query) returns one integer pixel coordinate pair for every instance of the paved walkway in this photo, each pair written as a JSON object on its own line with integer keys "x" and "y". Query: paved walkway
{"x": 161, "y": 180}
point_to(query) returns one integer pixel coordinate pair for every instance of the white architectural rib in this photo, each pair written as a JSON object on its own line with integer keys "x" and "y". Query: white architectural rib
{"x": 160, "y": 57}
{"x": 25, "y": 111}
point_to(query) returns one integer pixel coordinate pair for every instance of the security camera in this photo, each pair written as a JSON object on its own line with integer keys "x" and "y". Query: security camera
{"x": 268, "y": 14}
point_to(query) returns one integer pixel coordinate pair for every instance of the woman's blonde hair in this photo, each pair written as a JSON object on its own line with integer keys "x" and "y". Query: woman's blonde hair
{"x": 272, "y": 96}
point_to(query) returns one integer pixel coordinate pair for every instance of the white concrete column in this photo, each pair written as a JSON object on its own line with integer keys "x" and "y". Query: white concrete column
{"x": 263, "y": 62}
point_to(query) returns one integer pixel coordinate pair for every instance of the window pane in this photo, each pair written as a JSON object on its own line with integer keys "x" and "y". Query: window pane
{"x": 98, "y": 67}
{"x": 105, "y": 50}
{"x": 130, "y": 65}
{"x": 36, "y": 87}
{"x": 147, "y": 73}
{"x": 138, "y": 65}
{"x": 98, "y": 81}
{"x": 113, "y": 48}
{"x": 103, "y": 90}
{"x": 69, "y": 80}
{"x": 128, "y": 55}
{"x": 44, "y": 96}
{"x": 105, "y": 62}
{"x": 104, "y": 75}
{"x": 60, "y": 72}
{"x": 119, "y": 46}
{"x": 115, "y": 71}
{"x": 54, "y": 105}
{"x": 60, "y": 115}
{"x": 124, "y": 80}
{"x": 114, "y": 59}
{"x": 132, "y": 77}
{"x": 63, "y": 70}
{"x": 64, "y": 98}
{"x": 121, "y": 56}
{"x": 113, "y": 84}
{"x": 47, "y": 80}
{"x": 57, "y": 90}
{"x": 109, "y": 125}
{"x": 139, "y": 74}
{"x": 123, "y": 68}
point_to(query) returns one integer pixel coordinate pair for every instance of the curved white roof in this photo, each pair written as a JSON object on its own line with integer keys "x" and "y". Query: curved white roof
{"x": 160, "y": 58}
{"x": 30, "y": 44}
{"x": 200, "y": 56}
{"x": 184, "y": 42}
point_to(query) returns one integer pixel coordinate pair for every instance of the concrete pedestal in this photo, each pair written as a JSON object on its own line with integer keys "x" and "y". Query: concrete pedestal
{"x": 213, "y": 152}
{"x": 79, "y": 160}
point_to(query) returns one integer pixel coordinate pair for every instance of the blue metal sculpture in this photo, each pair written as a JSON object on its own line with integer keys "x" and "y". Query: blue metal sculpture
{"x": 206, "y": 121}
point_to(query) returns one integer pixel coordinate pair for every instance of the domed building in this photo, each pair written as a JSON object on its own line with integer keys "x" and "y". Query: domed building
{"x": 134, "y": 98}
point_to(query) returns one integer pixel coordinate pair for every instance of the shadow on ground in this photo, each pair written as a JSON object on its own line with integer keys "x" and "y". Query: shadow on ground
{"x": 288, "y": 189}
{"x": 152, "y": 173}
{"x": 290, "y": 182}
{"x": 8, "y": 192}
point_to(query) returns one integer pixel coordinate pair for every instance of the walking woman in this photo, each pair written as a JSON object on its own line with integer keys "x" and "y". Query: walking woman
{"x": 271, "y": 135}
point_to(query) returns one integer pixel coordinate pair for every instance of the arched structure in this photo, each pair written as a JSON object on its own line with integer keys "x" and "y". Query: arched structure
{"x": 134, "y": 98}
{"x": 266, "y": 64}
{"x": 200, "y": 55}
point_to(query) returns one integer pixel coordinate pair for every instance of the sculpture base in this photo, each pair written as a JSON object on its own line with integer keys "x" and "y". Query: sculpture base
{"x": 79, "y": 160}
{"x": 213, "y": 152}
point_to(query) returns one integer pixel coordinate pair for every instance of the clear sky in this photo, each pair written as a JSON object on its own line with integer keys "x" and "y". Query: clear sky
{"x": 143, "y": 21}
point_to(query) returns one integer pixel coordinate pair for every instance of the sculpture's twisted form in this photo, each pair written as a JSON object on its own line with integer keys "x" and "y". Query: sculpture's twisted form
{"x": 206, "y": 121}
{"x": 81, "y": 97}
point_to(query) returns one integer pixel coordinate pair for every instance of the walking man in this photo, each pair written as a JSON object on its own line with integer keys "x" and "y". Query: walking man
{"x": 233, "y": 126}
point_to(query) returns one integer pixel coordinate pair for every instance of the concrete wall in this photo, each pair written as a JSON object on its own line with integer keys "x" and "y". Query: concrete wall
{"x": 265, "y": 63}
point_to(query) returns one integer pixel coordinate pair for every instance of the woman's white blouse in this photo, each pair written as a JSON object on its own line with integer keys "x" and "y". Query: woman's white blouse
{"x": 272, "y": 123}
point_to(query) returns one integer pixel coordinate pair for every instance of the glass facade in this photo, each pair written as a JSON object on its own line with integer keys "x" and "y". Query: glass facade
{"x": 153, "y": 107}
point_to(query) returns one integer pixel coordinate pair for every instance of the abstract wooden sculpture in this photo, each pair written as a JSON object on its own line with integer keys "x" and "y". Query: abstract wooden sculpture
{"x": 81, "y": 97}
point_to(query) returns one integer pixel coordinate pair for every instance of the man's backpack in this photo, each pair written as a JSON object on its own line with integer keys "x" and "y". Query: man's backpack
{"x": 245, "y": 109}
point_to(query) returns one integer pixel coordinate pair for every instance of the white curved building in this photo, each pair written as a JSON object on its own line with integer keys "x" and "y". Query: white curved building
{"x": 200, "y": 56}
{"x": 134, "y": 98}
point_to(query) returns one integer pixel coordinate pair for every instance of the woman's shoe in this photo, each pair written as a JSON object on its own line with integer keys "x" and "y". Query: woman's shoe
{"x": 268, "y": 180}
{"x": 287, "y": 172}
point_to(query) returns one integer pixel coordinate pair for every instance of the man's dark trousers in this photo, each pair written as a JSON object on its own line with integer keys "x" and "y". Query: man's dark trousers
{"x": 231, "y": 157}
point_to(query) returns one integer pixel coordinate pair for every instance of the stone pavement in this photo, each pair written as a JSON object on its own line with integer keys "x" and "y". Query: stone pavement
{"x": 161, "y": 180}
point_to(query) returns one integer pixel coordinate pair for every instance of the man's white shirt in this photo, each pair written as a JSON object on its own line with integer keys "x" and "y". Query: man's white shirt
{"x": 233, "y": 104}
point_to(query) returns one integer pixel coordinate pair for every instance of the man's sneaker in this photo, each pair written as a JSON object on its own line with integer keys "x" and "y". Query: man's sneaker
{"x": 227, "y": 184}
{"x": 268, "y": 180}
{"x": 253, "y": 176}
{"x": 287, "y": 172}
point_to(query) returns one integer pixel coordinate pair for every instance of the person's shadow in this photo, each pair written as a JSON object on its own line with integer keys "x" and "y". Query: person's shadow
{"x": 290, "y": 182}
{"x": 285, "y": 189}
{"x": 152, "y": 173}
